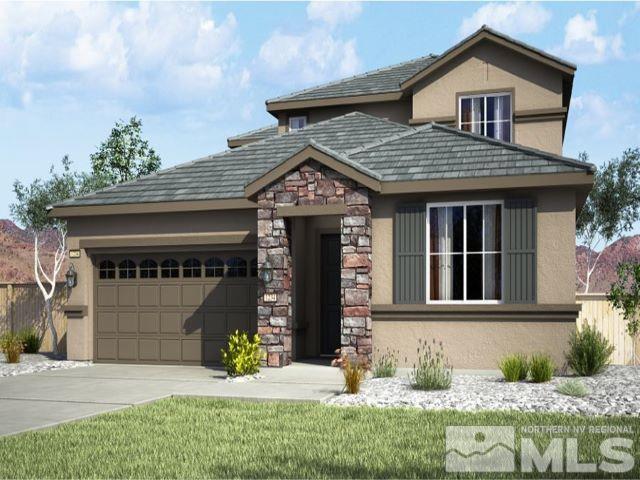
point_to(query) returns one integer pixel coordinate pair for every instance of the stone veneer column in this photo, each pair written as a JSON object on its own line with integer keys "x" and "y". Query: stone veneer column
{"x": 314, "y": 184}
{"x": 275, "y": 323}
{"x": 356, "y": 275}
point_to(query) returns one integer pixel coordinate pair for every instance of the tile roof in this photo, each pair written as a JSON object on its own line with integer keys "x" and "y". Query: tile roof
{"x": 390, "y": 79}
{"x": 383, "y": 80}
{"x": 257, "y": 134}
{"x": 392, "y": 151}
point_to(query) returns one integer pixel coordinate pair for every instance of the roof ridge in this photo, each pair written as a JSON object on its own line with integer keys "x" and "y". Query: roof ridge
{"x": 516, "y": 146}
{"x": 381, "y": 141}
{"x": 359, "y": 75}
{"x": 343, "y": 158}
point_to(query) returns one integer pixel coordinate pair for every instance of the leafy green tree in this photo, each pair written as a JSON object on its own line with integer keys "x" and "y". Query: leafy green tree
{"x": 124, "y": 155}
{"x": 625, "y": 295}
{"x": 612, "y": 208}
{"x": 31, "y": 211}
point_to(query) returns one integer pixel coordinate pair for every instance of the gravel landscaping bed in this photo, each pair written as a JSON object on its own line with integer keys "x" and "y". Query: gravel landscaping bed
{"x": 614, "y": 392}
{"x": 33, "y": 363}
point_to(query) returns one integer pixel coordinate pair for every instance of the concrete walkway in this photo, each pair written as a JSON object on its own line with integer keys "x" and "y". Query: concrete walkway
{"x": 43, "y": 399}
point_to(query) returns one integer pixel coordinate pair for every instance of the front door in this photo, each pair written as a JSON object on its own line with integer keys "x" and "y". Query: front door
{"x": 330, "y": 294}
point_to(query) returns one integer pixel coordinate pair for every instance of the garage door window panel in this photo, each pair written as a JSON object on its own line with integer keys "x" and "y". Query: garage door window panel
{"x": 148, "y": 269}
{"x": 192, "y": 268}
{"x": 170, "y": 268}
{"x": 236, "y": 267}
{"x": 127, "y": 269}
{"x": 214, "y": 268}
{"x": 107, "y": 270}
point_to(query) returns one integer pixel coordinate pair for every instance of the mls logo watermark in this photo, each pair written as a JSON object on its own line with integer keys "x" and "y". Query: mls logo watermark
{"x": 493, "y": 449}
{"x": 480, "y": 449}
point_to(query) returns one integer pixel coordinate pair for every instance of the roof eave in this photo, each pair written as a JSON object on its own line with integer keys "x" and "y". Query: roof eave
{"x": 278, "y": 106}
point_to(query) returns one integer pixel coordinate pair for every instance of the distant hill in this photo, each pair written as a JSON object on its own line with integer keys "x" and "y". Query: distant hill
{"x": 626, "y": 249}
{"x": 16, "y": 257}
{"x": 16, "y": 253}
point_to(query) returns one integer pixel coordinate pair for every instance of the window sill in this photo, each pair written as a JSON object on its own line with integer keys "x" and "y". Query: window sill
{"x": 477, "y": 311}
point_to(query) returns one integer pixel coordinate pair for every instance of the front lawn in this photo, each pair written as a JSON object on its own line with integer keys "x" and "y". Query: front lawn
{"x": 193, "y": 437}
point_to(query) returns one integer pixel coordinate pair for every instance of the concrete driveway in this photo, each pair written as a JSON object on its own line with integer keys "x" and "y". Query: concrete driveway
{"x": 44, "y": 399}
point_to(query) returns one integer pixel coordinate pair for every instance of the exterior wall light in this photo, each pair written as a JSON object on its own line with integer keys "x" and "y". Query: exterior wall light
{"x": 71, "y": 277}
{"x": 266, "y": 271}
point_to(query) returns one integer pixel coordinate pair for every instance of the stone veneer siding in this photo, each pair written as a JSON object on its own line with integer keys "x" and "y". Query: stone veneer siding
{"x": 314, "y": 184}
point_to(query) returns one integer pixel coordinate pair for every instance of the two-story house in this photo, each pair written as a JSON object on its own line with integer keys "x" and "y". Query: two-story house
{"x": 426, "y": 200}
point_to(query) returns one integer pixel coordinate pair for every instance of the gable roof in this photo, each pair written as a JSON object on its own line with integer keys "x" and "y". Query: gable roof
{"x": 380, "y": 149}
{"x": 390, "y": 83}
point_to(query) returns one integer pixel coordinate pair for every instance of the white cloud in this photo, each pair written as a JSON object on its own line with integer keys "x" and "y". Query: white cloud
{"x": 333, "y": 13}
{"x": 582, "y": 44}
{"x": 311, "y": 57}
{"x": 171, "y": 53}
{"x": 513, "y": 18}
{"x": 602, "y": 118}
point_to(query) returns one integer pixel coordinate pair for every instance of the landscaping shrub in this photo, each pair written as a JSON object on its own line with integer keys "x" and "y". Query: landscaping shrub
{"x": 541, "y": 367}
{"x": 354, "y": 371}
{"x": 573, "y": 388}
{"x": 514, "y": 367}
{"x": 386, "y": 365}
{"x": 589, "y": 351}
{"x": 433, "y": 371}
{"x": 11, "y": 346}
{"x": 30, "y": 339}
{"x": 243, "y": 354}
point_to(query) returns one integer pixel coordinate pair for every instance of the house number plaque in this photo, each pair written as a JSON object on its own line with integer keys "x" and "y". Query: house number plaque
{"x": 270, "y": 297}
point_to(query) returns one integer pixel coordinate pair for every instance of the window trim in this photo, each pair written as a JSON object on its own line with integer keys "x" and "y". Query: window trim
{"x": 485, "y": 95}
{"x": 464, "y": 254}
{"x": 294, "y": 117}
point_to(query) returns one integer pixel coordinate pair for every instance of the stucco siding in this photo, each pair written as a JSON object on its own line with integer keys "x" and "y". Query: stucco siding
{"x": 470, "y": 343}
{"x": 488, "y": 67}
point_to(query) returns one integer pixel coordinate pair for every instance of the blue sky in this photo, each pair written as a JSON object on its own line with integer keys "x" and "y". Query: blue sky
{"x": 198, "y": 73}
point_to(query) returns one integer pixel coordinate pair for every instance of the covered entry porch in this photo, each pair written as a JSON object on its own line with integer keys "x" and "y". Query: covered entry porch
{"x": 314, "y": 258}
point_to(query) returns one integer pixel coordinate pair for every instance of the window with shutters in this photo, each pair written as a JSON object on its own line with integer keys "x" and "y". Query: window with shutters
{"x": 464, "y": 252}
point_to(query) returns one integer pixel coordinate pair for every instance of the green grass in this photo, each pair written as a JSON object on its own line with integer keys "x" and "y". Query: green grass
{"x": 195, "y": 438}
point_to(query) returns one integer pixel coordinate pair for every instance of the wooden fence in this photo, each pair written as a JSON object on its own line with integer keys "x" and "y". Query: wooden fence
{"x": 22, "y": 306}
{"x": 597, "y": 311}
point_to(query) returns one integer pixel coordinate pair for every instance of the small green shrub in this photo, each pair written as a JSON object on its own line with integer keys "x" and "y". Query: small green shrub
{"x": 541, "y": 367}
{"x": 386, "y": 365}
{"x": 30, "y": 339}
{"x": 514, "y": 368}
{"x": 433, "y": 371}
{"x": 11, "y": 346}
{"x": 243, "y": 354}
{"x": 573, "y": 388}
{"x": 354, "y": 371}
{"x": 589, "y": 351}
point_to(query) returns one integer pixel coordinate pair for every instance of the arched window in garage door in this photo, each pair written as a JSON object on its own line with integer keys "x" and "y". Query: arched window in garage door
{"x": 127, "y": 269}
{"x": 236, "y": 267}
{"x": 148, "y": 268}
{"x": 214, "y": 267}
{"x": 107, "y": 270}
{"x": 192, "y": 268}
{"x": 170, "y": 268}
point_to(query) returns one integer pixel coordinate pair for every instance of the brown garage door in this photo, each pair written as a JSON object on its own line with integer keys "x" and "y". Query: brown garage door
{"x": 172, "y": 308}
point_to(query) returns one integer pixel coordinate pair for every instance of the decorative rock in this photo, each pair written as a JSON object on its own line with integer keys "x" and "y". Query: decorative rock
{"x": 34, "y": 363}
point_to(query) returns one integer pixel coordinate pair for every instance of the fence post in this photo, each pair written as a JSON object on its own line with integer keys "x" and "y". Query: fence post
{"x": 10, "y": 303}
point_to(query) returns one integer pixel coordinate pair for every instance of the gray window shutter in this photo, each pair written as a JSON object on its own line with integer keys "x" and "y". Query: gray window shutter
{"x": 409, "y": 254}
{"x": 520, "y": 251}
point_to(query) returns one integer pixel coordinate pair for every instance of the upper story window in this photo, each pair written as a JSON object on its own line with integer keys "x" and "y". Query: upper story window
{"x": 488, "y": 114}
{"x": 464, "y": 246}
{"x": 297, "y": 123}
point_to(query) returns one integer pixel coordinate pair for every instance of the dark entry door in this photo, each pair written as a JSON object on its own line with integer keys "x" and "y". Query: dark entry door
{"x": 330, "y": 293}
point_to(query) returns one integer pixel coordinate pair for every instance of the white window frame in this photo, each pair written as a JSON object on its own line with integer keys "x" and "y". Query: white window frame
{"x": 297, "y": 117}
{"x": 465, "y": 253}
{"x": 484, "y": 121}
